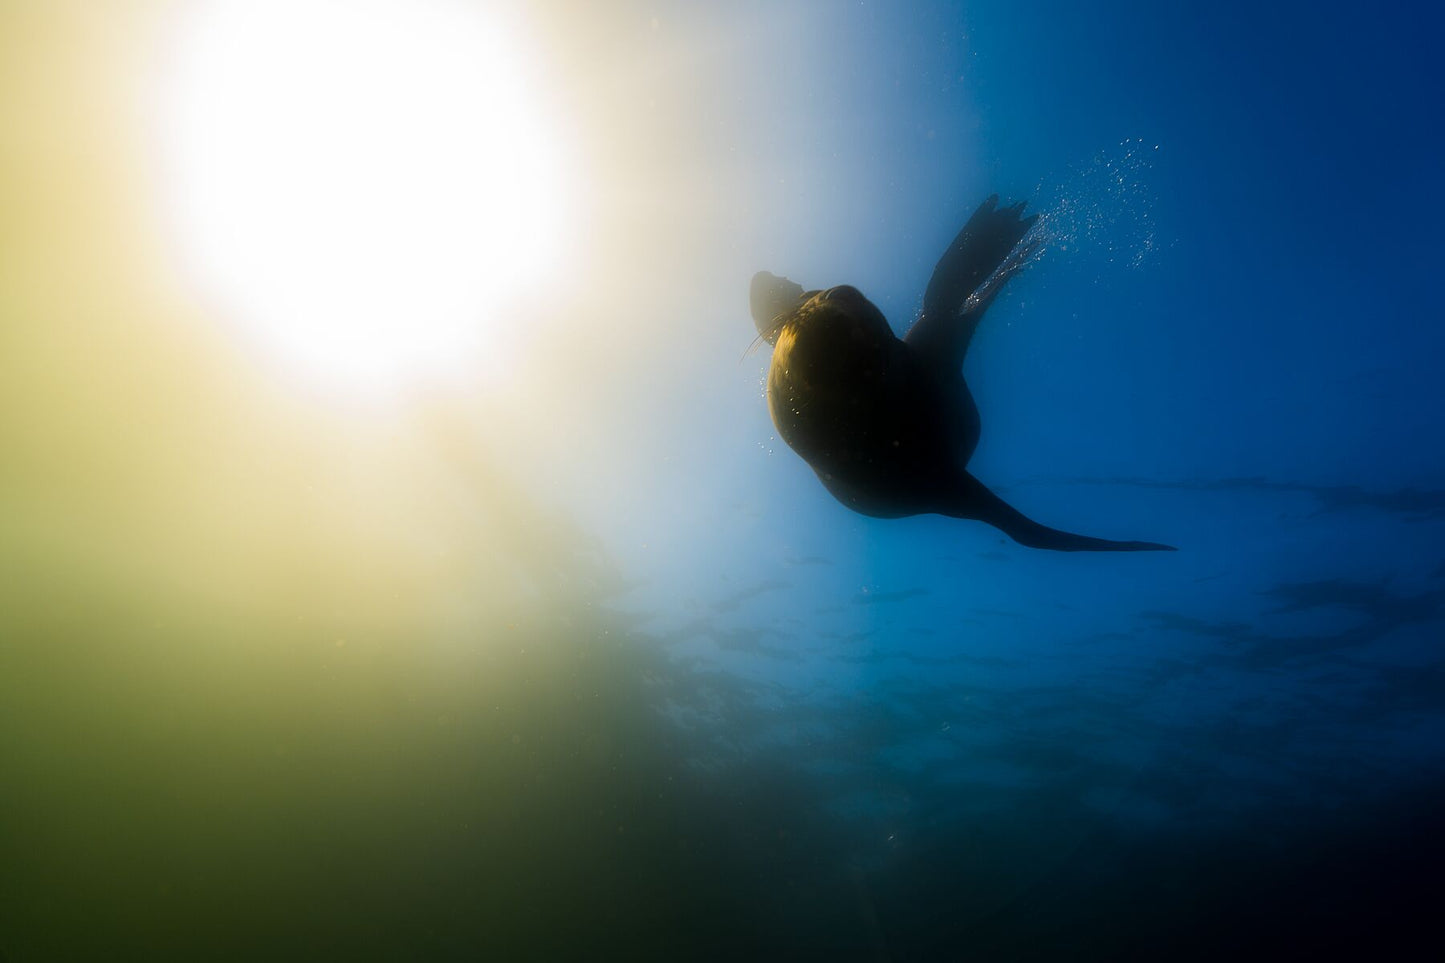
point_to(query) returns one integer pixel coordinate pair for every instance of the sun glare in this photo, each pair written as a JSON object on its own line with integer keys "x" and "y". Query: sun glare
{"x": 365, "y": 186}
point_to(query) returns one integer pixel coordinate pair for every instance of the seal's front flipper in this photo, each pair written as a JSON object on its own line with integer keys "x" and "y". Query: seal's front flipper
{"x": 985, "y": 254}
{"x": 974, "y": 500}
{"x": 978, "y": 250}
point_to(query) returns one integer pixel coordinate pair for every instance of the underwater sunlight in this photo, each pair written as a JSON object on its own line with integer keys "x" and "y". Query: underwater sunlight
{"x": 399, "y": 563}
{"x": 363, "y": 188}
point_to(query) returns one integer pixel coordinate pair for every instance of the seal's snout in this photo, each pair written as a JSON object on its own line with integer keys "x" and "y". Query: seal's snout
{"x": 771, "y": 296}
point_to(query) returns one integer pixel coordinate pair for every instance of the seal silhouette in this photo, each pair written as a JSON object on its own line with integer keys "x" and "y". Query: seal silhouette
{"x": 889, "y": 424}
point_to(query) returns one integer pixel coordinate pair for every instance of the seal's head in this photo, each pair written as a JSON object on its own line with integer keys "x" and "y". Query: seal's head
{"x": 843, "y": 312}
{"x": 773, "y": 300}
{"x": 828, "y": 316}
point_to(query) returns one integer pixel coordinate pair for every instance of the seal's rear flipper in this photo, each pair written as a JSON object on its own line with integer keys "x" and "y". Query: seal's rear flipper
{"x": 975, "y": 501}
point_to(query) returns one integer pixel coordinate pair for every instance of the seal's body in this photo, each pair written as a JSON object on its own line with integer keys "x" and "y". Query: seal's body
{"x": 855, "y": 403}
{"x": 889, "y": 425}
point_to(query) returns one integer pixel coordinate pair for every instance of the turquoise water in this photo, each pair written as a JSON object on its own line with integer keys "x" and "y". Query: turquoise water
{"x": 604, "y": 672}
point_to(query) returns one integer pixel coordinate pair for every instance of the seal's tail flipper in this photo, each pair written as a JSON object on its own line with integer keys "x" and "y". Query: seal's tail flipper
{"x": 975, "y": 501}
{"x": 991, "y": 248}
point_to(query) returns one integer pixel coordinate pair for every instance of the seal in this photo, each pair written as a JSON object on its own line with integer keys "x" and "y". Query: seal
{"x": 889, "y": 424}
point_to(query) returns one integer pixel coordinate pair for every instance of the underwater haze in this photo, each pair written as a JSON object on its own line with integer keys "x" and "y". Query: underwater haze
{"x": 540, "y": 644}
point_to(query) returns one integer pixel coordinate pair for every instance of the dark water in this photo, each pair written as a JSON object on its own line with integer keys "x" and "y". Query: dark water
{"x": 609, "y": 675}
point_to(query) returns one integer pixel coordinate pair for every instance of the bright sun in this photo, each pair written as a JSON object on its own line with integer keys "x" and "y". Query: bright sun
{"x": 364, "y": 185}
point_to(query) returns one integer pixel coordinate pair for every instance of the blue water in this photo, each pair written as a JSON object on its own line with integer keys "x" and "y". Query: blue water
{"x": 1229, "y": 346}
{"x": 605, "y": 673}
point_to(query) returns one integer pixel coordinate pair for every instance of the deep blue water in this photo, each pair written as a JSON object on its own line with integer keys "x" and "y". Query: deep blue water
{"x": 629, "y": 684}
{"x": 1229, "y": 346}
